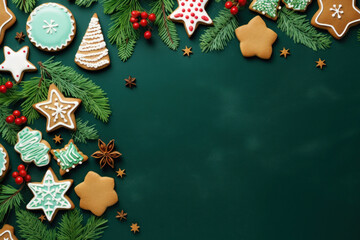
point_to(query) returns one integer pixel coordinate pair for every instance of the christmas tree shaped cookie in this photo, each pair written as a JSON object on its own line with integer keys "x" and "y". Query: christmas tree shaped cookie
{"x": 4, "y": 162}
{"x": 93, "y": 53}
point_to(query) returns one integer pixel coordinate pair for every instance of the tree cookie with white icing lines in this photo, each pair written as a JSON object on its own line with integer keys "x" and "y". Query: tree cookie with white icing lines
{"x": 51, "y": 27}
{"x": 191, "y": 13}
{"x": 68, "y": 157}
{"x": 17, "y": 63}
{"x": 58, "y": 110}
{"x": 4, "y": 162}
{"x": 336, "y": 16}
{"x": 7, "y": 19}
{"x": 32, "y": 148}
{"x": 93, "y": 53}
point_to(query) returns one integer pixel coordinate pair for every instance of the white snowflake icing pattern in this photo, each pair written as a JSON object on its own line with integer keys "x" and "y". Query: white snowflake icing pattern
{"x": 337, "y": 11}
{"x": 51, "y": 27}
{"x": 59, "y": 110}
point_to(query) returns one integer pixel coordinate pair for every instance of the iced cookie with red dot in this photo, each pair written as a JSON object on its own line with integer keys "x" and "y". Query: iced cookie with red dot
{"x": 17, "y": 63}
{"x": 191, "y": 13}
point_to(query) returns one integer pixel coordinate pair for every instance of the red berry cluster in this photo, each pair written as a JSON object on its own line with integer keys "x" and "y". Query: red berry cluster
{"x": 144, "y": 16}
{"x": 21, "y": 175}
{"x": 16, "y": 117}
{"x": 234, "y": 5}
{"x": 4, "y": 88}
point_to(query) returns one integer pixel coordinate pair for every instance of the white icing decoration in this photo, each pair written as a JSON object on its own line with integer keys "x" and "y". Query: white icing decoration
{"x": 93, "y": 47}
{"x": 16, "y": 62}
{"x": 50, "y": 27}
{"x": 8, "y": 232}
{"x": 331, "y": 26}
{"x": 7, "y": 11}
{"x": 3, "y": 169}
{"x": 197, "y": 9}
{"x": 336, "y": 11}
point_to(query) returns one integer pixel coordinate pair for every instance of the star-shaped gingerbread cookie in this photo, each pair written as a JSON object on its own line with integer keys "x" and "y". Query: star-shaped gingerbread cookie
{"x": 7, "y": 233}
{"x": 58, "y": 110}
{"x": 96, "y": 193}
{"x": 7, "y": 19}
{"x": 336, "y": 16}
{"x": 256, "y": 39}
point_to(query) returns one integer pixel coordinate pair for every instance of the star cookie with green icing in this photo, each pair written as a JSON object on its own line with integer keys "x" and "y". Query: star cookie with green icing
{"x": 68, "y": 157}
{"x": 49, "y": 195}
{"x": 4, "y": 162}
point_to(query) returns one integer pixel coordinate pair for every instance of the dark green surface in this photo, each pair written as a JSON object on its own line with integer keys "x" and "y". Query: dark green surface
{"x": 217, "y": 146}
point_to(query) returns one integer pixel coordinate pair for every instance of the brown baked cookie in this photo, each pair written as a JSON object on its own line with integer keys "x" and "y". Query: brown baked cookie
{"x": 336, "y": 16}
{"x": 7, "y": 19}
{"x": 51, "y": 27}
{"x": 7, "y": 233}
{"x": 268, "y": 8}
{"x": 4, "y": 162}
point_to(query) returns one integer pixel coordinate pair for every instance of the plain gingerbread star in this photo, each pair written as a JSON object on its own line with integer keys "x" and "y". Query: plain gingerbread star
{"x": 256, "y": 39}
{"x": 96, "y": 193}
{"x": 7, "y": 233}
{"x": 17, "y": 62}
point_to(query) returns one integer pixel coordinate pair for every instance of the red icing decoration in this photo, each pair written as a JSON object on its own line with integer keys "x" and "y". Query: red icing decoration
{"x": 182, "y": 4}
{"x": 205, "y": 18}
{"x": 199, "y": 4}
{"x": 178, "y": 15}
{"x": 191, "y": 28}
{"x": 189, "y": 10}
{"x": 9, "y": 53}
{"x": 201, "y": 9}
{"x": 196, "y": 17}
{"x": 192, "y": 21}
{"x": 196, "y": 9}
{"x": 183, "y": 10}
{"x": 187, "y": 17}
{"x": 191, "y": 4}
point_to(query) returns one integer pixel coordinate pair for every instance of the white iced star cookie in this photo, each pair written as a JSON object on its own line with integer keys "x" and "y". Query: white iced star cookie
{"x": 59, "y": 110}
{"x": 17, "y": 63}
{"x": 191, "y": 13}
{"x": 49, "y": 195}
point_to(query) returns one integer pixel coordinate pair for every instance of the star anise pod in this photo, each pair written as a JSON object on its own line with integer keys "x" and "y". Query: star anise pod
{"x": 106, "y": 153}
{"x": 20, "y": 36}
{"x": 130, "y": 82}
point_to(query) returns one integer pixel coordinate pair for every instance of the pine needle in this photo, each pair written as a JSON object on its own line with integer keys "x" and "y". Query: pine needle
{"x": 85, "y": 3}
{"x": 10, "y": 198}
{"x": 70, "y": 226}
{"x": 8, "y": 131}
{"x": 298, "y": 28}
{"x": 12, "y": 95}
{"x": 217, "y": 37}
{"x": 94, "y": 228}
{"x": 84, "y": 132}
{"x": 166, "y": 28}
{"x": 25, "y": 5}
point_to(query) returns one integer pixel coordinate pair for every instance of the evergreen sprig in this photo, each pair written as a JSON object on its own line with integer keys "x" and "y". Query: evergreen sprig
{"x": 70, "y": 226}
{"x": 11, "y": 96}
{"x": 25, "y": 5}
{"x": 10, "y": 198}
{"x": 94, "y": 228}
{"x": 84, "y": 132}
{"x": 121, "y": 31}
{"x": 298, "y": 28}
{"x": 166, "y": 28}
{"x": 217, "y": 37}
{"x": 85, "y": 3}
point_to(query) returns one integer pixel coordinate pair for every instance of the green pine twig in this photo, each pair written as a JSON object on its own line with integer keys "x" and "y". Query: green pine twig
{"x": 94, "y": 228}
{"x": 10, "y": 198}
{"x": 25, "y": 5}
{"x": 84, "y": 132}
{"x": 12, "y": 95}
{"x": 217, "y": 37}
{"x": 70, "y": 226}
{"x": 85, "y": 3}
{"x": 298, "y": 28}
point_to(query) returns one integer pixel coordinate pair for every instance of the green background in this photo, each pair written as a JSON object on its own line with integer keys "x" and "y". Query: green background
{"x": 219, "y": 146}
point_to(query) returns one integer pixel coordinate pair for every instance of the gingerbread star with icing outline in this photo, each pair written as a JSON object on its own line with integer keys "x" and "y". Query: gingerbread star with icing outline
{"x": 7, "y": 233}
{"x": 7, "y": 19}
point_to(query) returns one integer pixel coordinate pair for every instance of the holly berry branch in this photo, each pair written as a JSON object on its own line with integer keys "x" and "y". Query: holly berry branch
{"x": 144, "y": 17}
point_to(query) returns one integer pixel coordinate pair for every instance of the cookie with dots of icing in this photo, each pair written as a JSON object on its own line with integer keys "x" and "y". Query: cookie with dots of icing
{"x": 4, "y": 162}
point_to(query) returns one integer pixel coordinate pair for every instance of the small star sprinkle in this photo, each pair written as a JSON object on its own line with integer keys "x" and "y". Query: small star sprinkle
{"x": 130, "y": 82}
{"x": 135, "y": 228}
{"x": 122, "y": 216}
{"x": 187, "y": 51}
{"x": 20, "y": 37}
{"x": 57, "y": 139}
{"x": 320, "y": 64}
{"x": 121, "y": 173}
{"x": 284, "y": 52}
{"x": 42, "y": 218}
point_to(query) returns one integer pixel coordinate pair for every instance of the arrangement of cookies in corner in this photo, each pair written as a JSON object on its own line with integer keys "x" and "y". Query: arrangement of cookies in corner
{"x": 58, "y": 90}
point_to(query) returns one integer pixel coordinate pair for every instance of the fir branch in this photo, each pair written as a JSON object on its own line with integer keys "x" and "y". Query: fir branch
{"x": 8, "y": 131}
{"x": 94, "y": 228}
{"x": 25, "y": 5}
{"x": 217, "y": 37}
{"x": 166, "y": 28}
{"x": 85, "y": 3}
{"x": 31, "y": 228}
{"x": 298, "y": 28}
{"x": 84, "y": 132}
{"x": 70, "y": 227}
{"x": 12, "y": 95}
{"x": 10, "y": 198}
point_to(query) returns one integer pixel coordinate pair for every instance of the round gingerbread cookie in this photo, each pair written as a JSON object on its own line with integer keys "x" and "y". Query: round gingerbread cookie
{"x": 4, "y": 162}
{"x": 51, "y": 27}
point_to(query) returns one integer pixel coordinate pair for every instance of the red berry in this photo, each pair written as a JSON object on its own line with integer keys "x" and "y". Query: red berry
{"x": 18, "y": 121}
{"x": 242, "y": 3}
{"x": 22, "y": 173}
{"x": 9, "y": 84}
{"x": 16, "y": 113}
{"x": 21, "y": 167}
{"x": 136, "y": 26}
{"x": 147, "y": 35}
{"x": 228, "y": 4}
{"x": 19, "y": 180}
{"x": 15, "y": 174}
{"x": 143, "y": 22}
{"x": 27, "y": 178}
{"x": 152, "y": 17}
{"x": 135, "y": 14}
{"x": 3, "y": 89}
{"x": 23, "y": 119}
{"x": 234, "y": 10}
{"x": 133, "y": 20}
{"x": 144, "y": 15}
{"x": 10, "y": 119}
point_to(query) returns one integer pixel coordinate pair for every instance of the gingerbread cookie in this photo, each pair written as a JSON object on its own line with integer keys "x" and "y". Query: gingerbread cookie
{"x": 191, "y": 14}
{"x": 256, "y": 39}
{"x": 7, "y": 19}
{"x": 17, "y": 63}
{"x": 96, "y": 193}
{"x": 68, "y": 157}
{"x": 49, "y": 195}
{"x": 93, "y": 53}
{"x": 7, "y": 233}
{"x": 51, "y": 27}
{"x": 268, "y": 8}
{"x": 336, "y": 16}
{"x": 58, "y": 110}
{"x": 4, "y": 162}
{"x": 297, "y": 5}
{"x": 32, "y": 148}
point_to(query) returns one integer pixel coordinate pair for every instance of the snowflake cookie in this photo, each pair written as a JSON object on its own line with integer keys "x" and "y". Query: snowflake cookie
{"x": 7, "y": 19}
{"x": 32, "y": 148}
{"x": 191, "y": 13}
{"x": 336, "y": 16}
{"x": 51, "y": 27}
{"x": 49, "y": 195}
{"x": 4, "y": 162}
{"x": 68, "y": 157}
{"x": 58, "y": 110}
